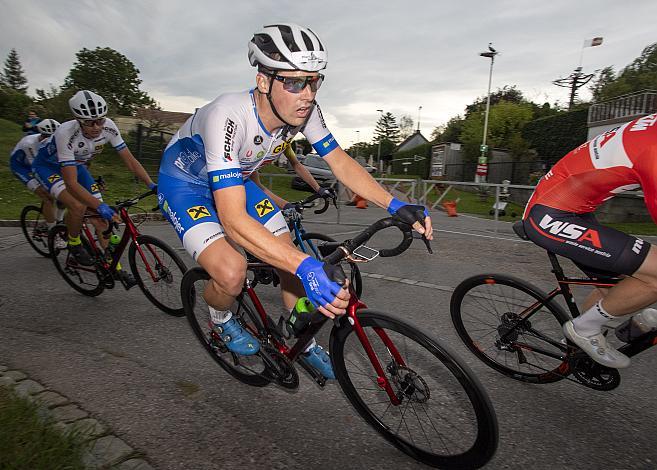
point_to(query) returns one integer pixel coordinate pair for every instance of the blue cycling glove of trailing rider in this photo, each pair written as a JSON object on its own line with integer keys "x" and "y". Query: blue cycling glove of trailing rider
{"x": 105, "y": 211}
{"x": 316, "y": 278}
{"x": 153, "y": 187}
{"x": 409, "y": 213}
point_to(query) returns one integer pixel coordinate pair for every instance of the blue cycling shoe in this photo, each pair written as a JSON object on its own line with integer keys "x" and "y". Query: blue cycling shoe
{"x": 320, "y": 360}
{"x": 236, "y": 338}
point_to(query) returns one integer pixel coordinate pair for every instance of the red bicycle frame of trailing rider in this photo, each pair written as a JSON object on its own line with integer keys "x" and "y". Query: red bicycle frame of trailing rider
{"x": 352, "y": 317}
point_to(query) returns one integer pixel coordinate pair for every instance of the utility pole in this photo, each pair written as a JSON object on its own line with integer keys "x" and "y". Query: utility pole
{"x": 574, "y": 81}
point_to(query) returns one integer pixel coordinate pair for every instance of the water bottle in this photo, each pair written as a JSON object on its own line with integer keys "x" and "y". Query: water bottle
{"x": 114, "y": 240}
{"x": 640, "y": 324}
{"x": 300, "y": 317}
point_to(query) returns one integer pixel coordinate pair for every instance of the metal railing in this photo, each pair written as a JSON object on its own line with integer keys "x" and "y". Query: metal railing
{"x": 623, "y": 107}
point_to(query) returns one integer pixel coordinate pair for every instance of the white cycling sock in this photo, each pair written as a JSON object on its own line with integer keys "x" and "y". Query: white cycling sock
{"x": 220, "y": 316}
{"x": 590, "y": 322}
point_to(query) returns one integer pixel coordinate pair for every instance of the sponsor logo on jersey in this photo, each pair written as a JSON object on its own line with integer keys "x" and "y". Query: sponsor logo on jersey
{"x": 80, "y": 144}
{"x": 260, "y": 154}
{"x": 198, "y": 212}
{"x": 98, "y": 148}
{"x": 186, "y": 158}
{"x": 264, "y": 207}
{"x": 258, "y": 140}
{"x": 225, "y": 176}
{"x": 229, "y": 129}
{"x": 328, "y": 142}
{"x": 570, "y": 231}
{"x": 321, "y": 116}
{"x": 279, "y": 148}
{"x": 644, "y": 123}
{"x": 249, "y": 153}
{"x": 110, "y": 130}
{"x": 54, "y": 177}
{"x": 175, "y": 221}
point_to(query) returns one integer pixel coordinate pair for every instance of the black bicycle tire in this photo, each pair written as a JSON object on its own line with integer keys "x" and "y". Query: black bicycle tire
{"x": 188, "y": 294}
{"x": 23, "y": 219}
{"x": 485, "y": 444}
{"x": 455, "y": 308}
{"x": 356, "y": 277}
{"x": 51, "y": 246}
{"x": 132, "y": 259}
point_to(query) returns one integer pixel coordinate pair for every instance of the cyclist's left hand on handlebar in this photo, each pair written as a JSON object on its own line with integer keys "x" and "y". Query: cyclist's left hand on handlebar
{"x": 105, "y": 211}
{"x": 153, "y": 187}
{"x": 325, "y": 285}
{"x": 412, "y": 214}
{"x": 327, "y": 193}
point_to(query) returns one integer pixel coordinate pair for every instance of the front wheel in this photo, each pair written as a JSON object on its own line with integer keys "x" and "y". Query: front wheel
{"x": 250, "y": 370}
{"x": 310, "y": 242}
{"x": 158, "y": 270}
{"x": 510, "y": 326}
{"x": 84, "y": 279}
{"x": 35, "y": 229}
{"x": 444, "y": 417}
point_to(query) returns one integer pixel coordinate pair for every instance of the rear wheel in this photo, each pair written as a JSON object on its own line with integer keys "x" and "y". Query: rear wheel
{"x": 35, "y": 229}
{"x": 250, "y": 370}
{"x": 84, "y": 279}
{"x": 310, "y": 242}
{"x": 159, "y": 271}
{"x": 510, "y": 326}
{"x": 444, "y": 417}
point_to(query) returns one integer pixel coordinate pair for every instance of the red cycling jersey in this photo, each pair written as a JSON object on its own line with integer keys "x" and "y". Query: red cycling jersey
{"x": 621, "y": 159}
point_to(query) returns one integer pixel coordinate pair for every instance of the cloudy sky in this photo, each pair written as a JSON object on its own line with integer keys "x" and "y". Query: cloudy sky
{"x": 395, "y": 56}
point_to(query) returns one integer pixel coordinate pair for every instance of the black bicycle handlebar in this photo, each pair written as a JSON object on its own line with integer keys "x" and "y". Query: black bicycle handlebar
{"x": 337, "y": 253}
{"x": 299, "y": 206}
{"x": 134, "y": 200}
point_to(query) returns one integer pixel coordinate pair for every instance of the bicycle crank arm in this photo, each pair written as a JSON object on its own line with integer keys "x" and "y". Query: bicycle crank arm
{"x": 314, "y": 374}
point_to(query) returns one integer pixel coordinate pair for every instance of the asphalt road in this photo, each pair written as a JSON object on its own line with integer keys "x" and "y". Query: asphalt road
{"x": 144, "y": 374}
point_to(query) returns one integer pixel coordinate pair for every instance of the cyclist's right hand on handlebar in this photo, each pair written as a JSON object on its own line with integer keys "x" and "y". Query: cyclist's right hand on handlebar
{"x": 327, "y": 193}
{"x": 105, "y": 211}
{"x": 319, "y": 281}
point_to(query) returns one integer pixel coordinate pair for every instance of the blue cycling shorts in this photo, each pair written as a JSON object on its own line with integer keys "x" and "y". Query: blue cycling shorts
{"x": 50, "y": 177}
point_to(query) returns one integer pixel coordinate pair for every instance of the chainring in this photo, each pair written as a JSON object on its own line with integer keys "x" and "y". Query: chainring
{"x": 593, "y": 375}
{"x": 278, "y": 367}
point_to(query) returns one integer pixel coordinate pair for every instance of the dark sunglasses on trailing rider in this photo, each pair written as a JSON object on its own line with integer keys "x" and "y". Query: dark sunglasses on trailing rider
{"x": 297, "y": 84}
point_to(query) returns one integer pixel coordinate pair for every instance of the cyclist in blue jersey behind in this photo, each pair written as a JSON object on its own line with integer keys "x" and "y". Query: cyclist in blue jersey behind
{"x": 208, "y": 183}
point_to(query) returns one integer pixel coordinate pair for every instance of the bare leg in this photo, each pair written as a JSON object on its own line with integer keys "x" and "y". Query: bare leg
{"x": 74, "y": 214}
{"x": 48, "y": 209}
{"x": 595, "y": 295}
{"x": 227, "y": 269}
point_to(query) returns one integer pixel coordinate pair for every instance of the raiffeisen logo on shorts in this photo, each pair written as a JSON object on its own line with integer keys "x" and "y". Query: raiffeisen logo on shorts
{"x": 175, "y": 221}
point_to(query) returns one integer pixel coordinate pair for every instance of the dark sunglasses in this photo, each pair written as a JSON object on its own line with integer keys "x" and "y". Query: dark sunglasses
{"x": 297, "y": 84}
{"x": 92, "y": 122}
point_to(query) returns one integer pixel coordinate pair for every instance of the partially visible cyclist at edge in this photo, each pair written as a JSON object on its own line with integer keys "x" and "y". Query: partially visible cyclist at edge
{"x": 20, "y": 163}
{"x": 559, "y": 217}
{"x": 60, "y": 167}
{"x": 208, "y": 192}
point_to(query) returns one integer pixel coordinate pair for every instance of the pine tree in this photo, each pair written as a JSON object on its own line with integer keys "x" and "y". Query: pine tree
{"x": 13, "y": 75}
{"x": 387, "y": 129}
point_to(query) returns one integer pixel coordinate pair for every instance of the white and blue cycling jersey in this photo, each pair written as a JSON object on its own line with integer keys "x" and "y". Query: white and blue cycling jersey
{"x": 68, "y": 146}
{"x": 20, "y": 160}
{"x": 225, "y": 141}
{"x": 220, "y": 146}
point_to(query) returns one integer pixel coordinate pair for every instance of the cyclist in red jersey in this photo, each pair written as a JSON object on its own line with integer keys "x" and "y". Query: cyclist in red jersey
{"x": 559, "y": 217}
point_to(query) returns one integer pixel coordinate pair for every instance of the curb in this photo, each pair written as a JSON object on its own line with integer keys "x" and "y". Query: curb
{"x": 104, "y": 449}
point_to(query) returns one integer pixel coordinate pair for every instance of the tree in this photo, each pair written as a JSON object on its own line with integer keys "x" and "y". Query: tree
{"x": 406, "y": 126}
{"x": 387, "y": 129}
{"x": 13, "y": 75}
{"x": 507, "y": 93}
{"x": 55, "y": 103}
{"x": 112, "y": 75}
{"x": 641, "y": 74}
{"x": 505, "y": 123}
{"x": 450, "y": 132}
{"x": 13, "y": 104}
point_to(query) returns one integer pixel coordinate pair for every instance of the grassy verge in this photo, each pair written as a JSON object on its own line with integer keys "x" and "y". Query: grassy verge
{"x": 27, "y": 441}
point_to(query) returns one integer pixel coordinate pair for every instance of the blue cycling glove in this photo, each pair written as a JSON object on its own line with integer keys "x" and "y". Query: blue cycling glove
{"x": 409, "y": 213}
{"x": 316, "y": 279}
{"x": 105, "y": 211}
{"x": 153, "y": 187}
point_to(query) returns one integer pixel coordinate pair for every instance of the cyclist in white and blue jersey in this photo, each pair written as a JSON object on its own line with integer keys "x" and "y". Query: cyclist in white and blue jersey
{"x": 20, "y": 163}
{"x": 60, "y": 167}
{"x": 208, "y": 183}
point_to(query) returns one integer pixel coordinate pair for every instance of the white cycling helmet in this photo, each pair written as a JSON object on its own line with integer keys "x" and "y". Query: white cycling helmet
{"x": 287, "y": 46}
{"x": 87, "y": 105}
{"x": 47, "y": 126}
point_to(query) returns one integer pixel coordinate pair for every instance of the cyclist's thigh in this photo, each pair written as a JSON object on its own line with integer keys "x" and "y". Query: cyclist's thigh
{"x": 648, "y": 269}
{"x": 88, "y": 182}
{"x": 50, "y": 178}
{"x": 262, "y": 209}
{"x": 582, "y": 239}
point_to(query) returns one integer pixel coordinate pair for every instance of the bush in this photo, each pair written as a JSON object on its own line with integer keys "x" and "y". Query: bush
{"x": 553, "y": 137}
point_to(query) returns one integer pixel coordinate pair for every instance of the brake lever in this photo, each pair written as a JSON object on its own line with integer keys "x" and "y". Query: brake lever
{"x": 427, "y": 243}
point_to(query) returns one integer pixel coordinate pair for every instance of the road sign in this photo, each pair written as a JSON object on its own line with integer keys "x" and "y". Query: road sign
{"x": 483, "y": 148}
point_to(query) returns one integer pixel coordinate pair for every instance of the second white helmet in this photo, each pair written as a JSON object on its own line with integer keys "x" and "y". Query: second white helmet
{"x": 287, "y": 46}
{"x": 86, "y": 104}
{"x": 47, "y": 126}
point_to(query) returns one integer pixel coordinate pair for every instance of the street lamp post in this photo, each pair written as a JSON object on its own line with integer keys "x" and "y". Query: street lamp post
{"x": 357, "y": 143}
{"x": 482, "y": 167}
{"x": 378, "y": 153}
{"x": 418, "y": 117}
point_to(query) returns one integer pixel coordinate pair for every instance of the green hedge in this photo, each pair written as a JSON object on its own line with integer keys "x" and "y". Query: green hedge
{"x": 554, "y": 136}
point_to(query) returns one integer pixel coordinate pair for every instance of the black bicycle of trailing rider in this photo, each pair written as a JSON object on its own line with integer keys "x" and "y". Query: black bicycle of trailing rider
{"x": 405, "y": 384}
{"x": 156, "y": 266}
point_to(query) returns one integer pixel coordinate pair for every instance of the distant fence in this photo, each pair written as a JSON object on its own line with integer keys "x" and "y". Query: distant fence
{"x": 148, "y": 145}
